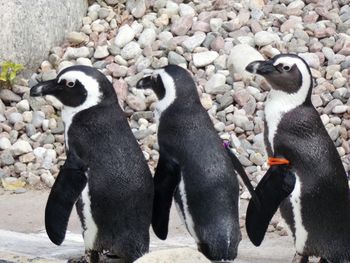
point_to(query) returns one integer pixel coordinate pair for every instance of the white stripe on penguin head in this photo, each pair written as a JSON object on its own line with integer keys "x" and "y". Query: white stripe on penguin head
{"x": 170, "y": 92}
{"x": 94, "y": 96}
{"x": 279, "y": 102}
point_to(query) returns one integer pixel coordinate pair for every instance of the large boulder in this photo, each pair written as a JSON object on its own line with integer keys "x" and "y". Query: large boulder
{"x": 29, "y": 28}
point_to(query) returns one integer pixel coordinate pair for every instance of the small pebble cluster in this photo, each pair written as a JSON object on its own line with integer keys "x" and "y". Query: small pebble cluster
{"x": 214, "y": 39}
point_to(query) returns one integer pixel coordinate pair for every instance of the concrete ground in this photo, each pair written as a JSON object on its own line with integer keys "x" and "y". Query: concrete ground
{"x": 23, "y": 237}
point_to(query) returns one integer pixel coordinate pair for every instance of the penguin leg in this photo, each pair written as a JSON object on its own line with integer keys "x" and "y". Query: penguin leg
{"x": 166, "y": 179}
{"x": 93, "y": 256}
{"x": 300, "y": 259}
{"x": 274, "y": 187}
{"x": 69, "y": 183}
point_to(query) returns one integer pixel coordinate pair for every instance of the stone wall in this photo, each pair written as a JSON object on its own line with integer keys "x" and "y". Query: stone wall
{"x": 29, "y": 28}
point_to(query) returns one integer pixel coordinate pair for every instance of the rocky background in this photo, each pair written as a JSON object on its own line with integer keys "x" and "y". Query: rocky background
{"x": 214, "y": 40}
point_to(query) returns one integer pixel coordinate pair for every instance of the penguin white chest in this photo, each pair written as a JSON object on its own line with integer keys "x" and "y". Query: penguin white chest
{"x": 300, "y": 232}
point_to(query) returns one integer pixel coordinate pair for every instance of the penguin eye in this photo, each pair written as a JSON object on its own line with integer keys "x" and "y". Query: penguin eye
{"x": 286, "y": 68}
{"x": 70, "y": 84}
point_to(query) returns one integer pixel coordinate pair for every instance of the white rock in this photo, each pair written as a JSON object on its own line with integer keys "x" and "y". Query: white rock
{"x": 147, "y": 37}
{"x": 101, "y": 52}
{"x": 204, "y": 58}
{"x": 15, "y": 117}
{"x": 240, "y": 56}
{"x": 340, "y": 109}
{"x": 21, "y": 147}
{"x": 194, "y": 41}
{"x": 84, "y": 62}
{"x": 48, "y": 179}
{"x": 23, "y": 105}
{"x": 131, "y": 50}
{"x": 54, "y": 102}
{"x": 311, "y": 59}
{"x": 186, "y": 10}
{"x": 39, "y": 152}
{"x": 176, "y": 255}
{"x": 264, "y": 38}
{"x": 216, "y": 81}
{"x": 124, "y": 36}
{"x": 296, "y": 4}
{"x": 5, "y": 143}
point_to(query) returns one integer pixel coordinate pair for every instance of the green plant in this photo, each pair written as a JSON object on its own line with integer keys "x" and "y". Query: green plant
{"x": 9, "y": 71}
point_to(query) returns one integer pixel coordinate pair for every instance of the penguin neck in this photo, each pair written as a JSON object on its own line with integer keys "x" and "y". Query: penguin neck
{"x": 279, "y": 103}
{"x": 68, "y": 113}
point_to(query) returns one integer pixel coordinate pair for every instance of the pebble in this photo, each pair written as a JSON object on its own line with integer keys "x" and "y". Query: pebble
{"x": 125, "y": 35}
{"x": 9, "y": 96}
{"x": 182, "y": 25}
{"x": 15, "y": 117}
{"x": 204, "y": 58}
{"x": 147, "y": 37}
{"x": 194, "y": 41}
{"x": 5, "y": 143}
{"x": 23, "y": 106}
{"x": 264, "y": 38}
{"x": 215, "y": 84}
{"x": 101, "y": 52}
{"x": 131, "y": 50}
{"x": 21, "y": 147}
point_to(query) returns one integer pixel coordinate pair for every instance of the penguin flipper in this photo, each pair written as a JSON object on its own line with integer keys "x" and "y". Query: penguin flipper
{"x": 166, "y": 179}
{"x": 69, "y": 184}
{"x": 240, "y": 170}
{"x": 274, "y": 187}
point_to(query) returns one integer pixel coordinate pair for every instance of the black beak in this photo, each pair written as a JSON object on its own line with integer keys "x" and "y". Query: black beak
{"x": 43, "y": 88}
{"x": 145, "y": 83}
{"x": 261, "y": 67}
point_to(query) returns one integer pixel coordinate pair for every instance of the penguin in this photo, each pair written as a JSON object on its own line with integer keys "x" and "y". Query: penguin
{"x": 193, "y": 167}
{"x": 306, "y": 178}
{"x": 105, "y": 174}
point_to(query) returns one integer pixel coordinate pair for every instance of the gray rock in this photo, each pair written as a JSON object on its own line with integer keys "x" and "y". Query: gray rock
{"x": 6, "y": 158}
{"x": 8, "y": 95}
{"x": 21, "y": 147}
{"x": 333, "y": 133}
{"x": 215, "y": 83}
{"x": 20, "y": 167}
{"x": 125, "y": 35}
{"x": 141, "y": 134}
{"x": 175, "y": 58}
{"x": 48, "y": 179}
{"x": 181, "y": 26}
{"x": 33, "y": 179}
{"x": 5, "y": 143}
{"x": 204, "y": 58}
{"x": 131, "y": 50}
{"x": 77, "y": 38}
{"x": 257, "y": 159}
{"x": 74, "y": 53}
{"x": 15, "y": 47}
{"x": 38, "y": 117}
{"x": 15, "y": 117}
{"x": 194, "y": 41}
{"x": 135, "y": 102}
{"x": 328, "y": 109}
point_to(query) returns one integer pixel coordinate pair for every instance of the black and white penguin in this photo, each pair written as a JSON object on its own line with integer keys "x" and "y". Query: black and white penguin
{"x": 105, "y": 173}
{"x": 305, "y": 167}
{"x": 193, "y": 166}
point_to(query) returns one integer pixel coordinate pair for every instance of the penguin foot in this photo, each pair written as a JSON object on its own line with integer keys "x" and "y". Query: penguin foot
{"x": 82, "y": 259}
{"x": 300, "y": 259}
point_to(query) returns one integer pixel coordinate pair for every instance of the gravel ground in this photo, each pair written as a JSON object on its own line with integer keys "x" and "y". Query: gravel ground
{"x": 214, "y": 40}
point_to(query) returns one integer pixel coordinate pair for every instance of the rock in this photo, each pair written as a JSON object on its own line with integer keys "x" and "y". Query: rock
{"x": 175, "y": 58}
{"x": 181, "y": 26}
{"x": 48, "y": 179}
{"x": 264, "y": 38}
{"x": 257, "y": 159}
{"x": 136, "y": 103}
{"x": 176, "y": 255}
{"x": 67, "y": 18}
{"x": 131, "y": 50}
{"x": 33, "y": 179}
{"x": 74, "y": 53}
{"x": 8, "y": 95}
{"x": 101, "y": 52}
{"x": 27, "y": 158}
{"x": 4, "y": 143}
{"x": 194, "y": 41}
{"x": 20, "y": 167}
{"x": 186, "y": 10}
{"x": 141, "y": 134}
{"x": 84, "y": 61}
{"x": 137, "y": 7}
{"x": 215, "y": 84}
{"x": 77, "y": 38}
{"x": 21, "y": 147}
{"x": 11, "y": 183}
{"x": 147, "y": 37}
{"x": 38, "y": 117}
{"x": 311, "y": 59}
{"x": 204, "y": 58}
{"x": 6, "y": 158}
{"x": 23, "y": 105}
{"x": 125, "y": 35}
{"x": 15, "y": 117}
{"x": 340, "y": 109}
{"x": 240, "y": 56}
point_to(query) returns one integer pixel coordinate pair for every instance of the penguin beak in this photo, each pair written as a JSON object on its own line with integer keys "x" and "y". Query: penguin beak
{"x": 261, "y": 67}
{"x": 145, "y": 83}
{"x": 43, "y": 88}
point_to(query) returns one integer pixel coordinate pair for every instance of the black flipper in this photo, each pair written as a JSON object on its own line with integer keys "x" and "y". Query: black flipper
{"x": 240, "y": 170}
{"x": 274, "y": 187}
{"x": 69, "y": 184}
{"x": 166, "y": 179}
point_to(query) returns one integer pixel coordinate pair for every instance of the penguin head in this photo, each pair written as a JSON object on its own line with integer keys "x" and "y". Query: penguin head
{"x": 287, "y": 73}
{"x": 75, "y": 86}
{"x": 171, "y": 83}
